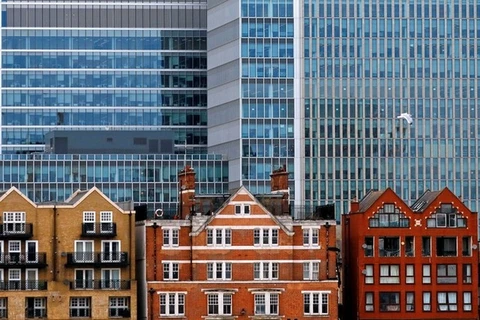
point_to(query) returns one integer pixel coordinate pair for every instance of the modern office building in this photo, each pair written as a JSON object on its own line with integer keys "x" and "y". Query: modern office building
{"x": 315, "y": 85}
{"x": 125, "y": 165}
{"x": 326, "y": 80}
{"x": 103, "y": 65}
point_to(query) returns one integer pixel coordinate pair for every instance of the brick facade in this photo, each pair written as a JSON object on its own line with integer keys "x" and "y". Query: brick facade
{"x": 52, "y": 262}
{"x": 241, "y": 261}
{"x": 410, "y": 262}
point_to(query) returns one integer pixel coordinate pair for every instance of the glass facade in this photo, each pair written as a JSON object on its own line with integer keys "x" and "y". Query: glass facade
{"x": 144, "y": 179}
{"x": 366, "y": 62}
{"x": 68, "y": 65}
{"x": 267, "y": 90}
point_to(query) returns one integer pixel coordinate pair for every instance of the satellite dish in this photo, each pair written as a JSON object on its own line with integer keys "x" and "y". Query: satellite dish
{"x": 407, "y": 117}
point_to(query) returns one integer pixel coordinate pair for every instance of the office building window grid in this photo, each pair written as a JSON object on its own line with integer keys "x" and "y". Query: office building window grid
{"x": 365, "y": 64}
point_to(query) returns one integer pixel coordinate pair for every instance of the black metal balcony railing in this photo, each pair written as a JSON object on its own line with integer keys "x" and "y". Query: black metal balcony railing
{"x": 23, "y": 285}
{"x": 16, "y": 231}
{"x": 19, "y": 260}
{"x": 102, "y": 229}
{"x": 100, "y": 284}
{"x": 31, "y": 313}
{"x": 97, "y": 259}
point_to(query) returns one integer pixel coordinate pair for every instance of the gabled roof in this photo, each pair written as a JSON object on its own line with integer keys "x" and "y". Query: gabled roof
{"x": 424, "y": 201}
{"x": 80, "y": 195}
{"x": 241, "y": 190}
{"x": 369, "y": 200}
{"x": 5, "y": 193}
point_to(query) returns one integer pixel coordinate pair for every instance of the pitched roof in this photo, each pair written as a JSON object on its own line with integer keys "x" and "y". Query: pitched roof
{"x": 369, "y": 199}
{"x": 424, "y": 201}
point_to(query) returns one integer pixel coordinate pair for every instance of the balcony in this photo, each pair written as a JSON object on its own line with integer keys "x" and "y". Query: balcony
{"x": 23, "y": 260}
{"x": 97, "y": 259}
{"x": 8, "y": 285}
{"x": 99, "y": 230}
{"x": 16, "y": 231}
{"x": 99, "y": 284}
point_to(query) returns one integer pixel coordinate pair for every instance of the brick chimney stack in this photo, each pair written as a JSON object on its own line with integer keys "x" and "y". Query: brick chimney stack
{"x": 354, "y": 205}
{"x": 186, "y": 179}
{"x": 279, "y": 180}
{"x": 279, "y": 184}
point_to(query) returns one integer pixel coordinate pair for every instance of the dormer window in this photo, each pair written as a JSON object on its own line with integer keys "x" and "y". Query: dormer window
{"x": 446, "y": 216}
{"x": 242, "y": 209}
{"x": 389, "y": 216}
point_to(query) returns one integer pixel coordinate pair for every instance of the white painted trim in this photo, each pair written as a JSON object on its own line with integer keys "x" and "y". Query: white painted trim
{"x": 252, "y": 247}
{"x": 179, "y": 292}
{"x": 235, "y": 261}
{"x": 244, "y": 216}
{"x": 252, "y": 282}
{"x": 315, "y": 291}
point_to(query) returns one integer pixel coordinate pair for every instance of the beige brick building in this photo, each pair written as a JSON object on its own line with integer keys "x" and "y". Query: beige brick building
{"x": 67, "y": 260}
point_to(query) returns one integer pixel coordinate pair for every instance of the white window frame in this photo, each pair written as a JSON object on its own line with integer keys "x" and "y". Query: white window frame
{"x": 172, "y": 303}
{"x": 2, "y": 252}
{"x": 39, "y": 307}
{"x": 84, "y": 255}
{"x": 14, "y": 222}
{"x": 89, "y": 218}
{"x": 106, "y": 221}
{"x": 14, "y": 251}
{"x": 219, "y": 237}
{"x": 31, "y": 255}
{"x": 311, "y": 237}
{"x": 242, "y": 209}
{"x": 171, "y": 270}
{"x": 81, "y": 305}
{"x": 3, "y": 307}
{"x": 315, "y": 303}
{"x": 14, "y": 279}
{"x": 111, "y": 278}
{"x": 222, "y": 300}
{"x": 270, "y": 302}
{"x": 111, "y": 251}
{"x": 171, "y": 237}
{"x": 87, "y": 280}
{"x": 31, "y": 284}
{"x": 117, "y": 306}
{"x": 266, "y": 270}
{"x": 265, "y": 237}
{"x": 311, "y": 270}
{"x": 219, "y": 271}
{"x": 410, "y": 273}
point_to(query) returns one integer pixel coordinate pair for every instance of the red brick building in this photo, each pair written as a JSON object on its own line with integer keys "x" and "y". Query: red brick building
{"x": 417, "y": 262}
{"x": 240, "y": 256}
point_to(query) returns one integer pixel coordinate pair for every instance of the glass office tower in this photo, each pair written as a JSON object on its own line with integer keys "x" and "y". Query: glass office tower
{"x": 350, "y": 68}
{"x": 251, "y": 88}
{"x": 102, "y": 64}
{"x": 366, "y": 62}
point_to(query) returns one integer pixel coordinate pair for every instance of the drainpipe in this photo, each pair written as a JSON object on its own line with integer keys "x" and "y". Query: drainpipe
{"x": 54, "y": 243}
{"x": 327, "y": 235}
{"x": 155, "y": 226}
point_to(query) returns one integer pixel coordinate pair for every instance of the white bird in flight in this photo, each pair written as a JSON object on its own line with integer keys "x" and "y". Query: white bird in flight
{"x": 406, "y": 116}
